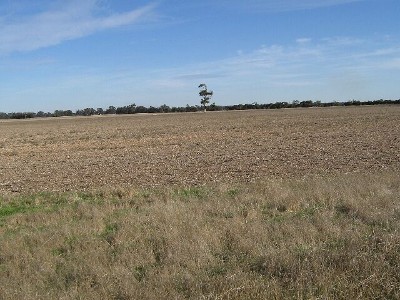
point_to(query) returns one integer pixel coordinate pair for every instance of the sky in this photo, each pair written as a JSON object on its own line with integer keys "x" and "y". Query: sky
{"x": 73, "y": 54}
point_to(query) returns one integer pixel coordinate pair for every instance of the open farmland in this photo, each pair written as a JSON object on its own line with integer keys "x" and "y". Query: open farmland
{"x": 61, "y": 154}
{"x": 288, "y": 204}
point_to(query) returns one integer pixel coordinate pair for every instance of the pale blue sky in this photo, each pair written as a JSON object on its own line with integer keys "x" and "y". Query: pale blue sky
{"x": 60, "y": 54}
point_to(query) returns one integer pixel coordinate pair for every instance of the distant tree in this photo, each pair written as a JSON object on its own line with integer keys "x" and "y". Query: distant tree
{"x": 205, "y": 95}
{"x": 295, "y": 103}
{"x": 307, "y": 103}
{"x": 89, "y": 111}
{"x": 213, "y": 107}
{"x": 4, "y": 115}
{"x": 164, "y": 108}
{"x": 131, "y": 109}
{"x": 153, "y": 110}
{"x": 22, "y": 115}
{"x": 57, "y": 113}
{"x": 40, "y": 114}
{"x": 191, "y": 108}
{"x": 141, "y": 109}
{"x": 111, "y": 110}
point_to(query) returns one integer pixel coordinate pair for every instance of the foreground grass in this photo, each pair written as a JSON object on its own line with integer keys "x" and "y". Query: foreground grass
{"x": 335, "y": 237}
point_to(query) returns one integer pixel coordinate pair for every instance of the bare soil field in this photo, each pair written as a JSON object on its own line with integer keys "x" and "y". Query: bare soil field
{"x": 69, "y": 154}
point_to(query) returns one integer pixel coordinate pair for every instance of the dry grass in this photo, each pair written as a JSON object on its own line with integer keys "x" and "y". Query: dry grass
{"x": 333, "y": 237}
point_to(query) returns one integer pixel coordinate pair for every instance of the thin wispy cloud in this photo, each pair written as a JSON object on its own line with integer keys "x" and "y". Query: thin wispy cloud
{"x": 393, "y": 64}
{"x": 304, "y": 63}
{"x": 56, "y": 25}
{"x": 284, "y": 5}
{"x": 208, "y": 75}
{"x": 276, "y": 64}
{"x": 342, "y": 41}
{"x": 303, "y": 40}
{"x": 308, "y": 4}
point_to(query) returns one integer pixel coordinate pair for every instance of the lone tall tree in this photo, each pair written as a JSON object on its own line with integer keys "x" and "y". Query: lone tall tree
{"x": 205, "y": 95}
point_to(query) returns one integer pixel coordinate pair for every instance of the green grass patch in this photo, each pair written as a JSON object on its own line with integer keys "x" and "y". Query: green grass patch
{"x": 192, "y": 193}
{"x": 18, "y": 208}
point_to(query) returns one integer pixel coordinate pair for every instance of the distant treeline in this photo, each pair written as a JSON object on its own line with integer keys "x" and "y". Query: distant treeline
{"x": 134, "y": 109}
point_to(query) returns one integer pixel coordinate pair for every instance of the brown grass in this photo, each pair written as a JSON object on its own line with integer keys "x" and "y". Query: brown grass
{"x": 314, "y": 238}
{"x": 289, "y": 204}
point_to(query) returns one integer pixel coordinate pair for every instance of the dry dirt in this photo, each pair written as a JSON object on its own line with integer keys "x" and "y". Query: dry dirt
{"x": 61, "y": 154}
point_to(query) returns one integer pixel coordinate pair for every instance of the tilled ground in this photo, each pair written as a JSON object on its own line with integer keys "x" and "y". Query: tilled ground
{"x": 61, "y": 154}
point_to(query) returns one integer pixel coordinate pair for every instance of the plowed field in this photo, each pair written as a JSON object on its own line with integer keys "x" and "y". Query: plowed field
{"x": 81, "y": 153}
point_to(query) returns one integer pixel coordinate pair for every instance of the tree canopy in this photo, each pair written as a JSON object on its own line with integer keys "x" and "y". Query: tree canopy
{"x": 205, "y": 95}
